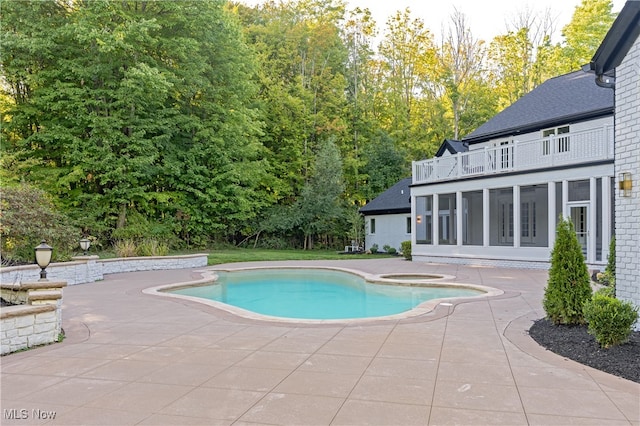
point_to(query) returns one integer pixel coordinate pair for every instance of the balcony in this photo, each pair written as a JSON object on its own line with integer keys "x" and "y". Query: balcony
{"x": 557, "y": 150}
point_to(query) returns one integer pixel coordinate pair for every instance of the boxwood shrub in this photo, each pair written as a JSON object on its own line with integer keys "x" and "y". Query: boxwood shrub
{"x": 609, "y": 320}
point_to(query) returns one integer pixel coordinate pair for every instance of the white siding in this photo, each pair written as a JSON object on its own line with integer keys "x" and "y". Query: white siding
{"x": 391, "y": 229}
{"x": 532, "y": 136}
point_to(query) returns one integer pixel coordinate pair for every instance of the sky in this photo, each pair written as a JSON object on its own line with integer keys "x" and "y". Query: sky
{"x": 486, "y": 18}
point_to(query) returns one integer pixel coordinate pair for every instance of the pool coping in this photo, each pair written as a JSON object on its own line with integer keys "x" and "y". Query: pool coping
{"x": 441, "y": 280}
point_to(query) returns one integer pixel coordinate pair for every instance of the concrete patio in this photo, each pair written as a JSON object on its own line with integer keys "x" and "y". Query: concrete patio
{"x": 135, "y": 359}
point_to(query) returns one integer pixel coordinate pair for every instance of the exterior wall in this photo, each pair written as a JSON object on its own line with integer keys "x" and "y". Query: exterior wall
{"x": 391, "y": 229}
{"x": 627, "y": 159}
{"x": 532, "y": 136}
{"x": 86, "y": 269}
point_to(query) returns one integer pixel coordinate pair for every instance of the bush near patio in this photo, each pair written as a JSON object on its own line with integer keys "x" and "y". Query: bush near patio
{"x": 569, "y": 284}
{"x": 405, "y": 247}
{"x": 29, "y": 216}
{"x": 610, "y": 320}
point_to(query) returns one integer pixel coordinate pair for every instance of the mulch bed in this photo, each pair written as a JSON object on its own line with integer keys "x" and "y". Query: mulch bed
{"x": 574, "y": 342}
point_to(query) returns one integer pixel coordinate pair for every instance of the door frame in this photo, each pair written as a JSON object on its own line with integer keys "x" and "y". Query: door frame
{"x": 587, "y": 241}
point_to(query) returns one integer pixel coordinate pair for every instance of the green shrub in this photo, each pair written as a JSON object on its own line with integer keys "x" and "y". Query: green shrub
{"x": 405, "y": 246}
{"x": 611, "y": 262}
{"x": 374, "y": 248}
{"x": 125, "y": 248}
{"x": 391, "y": 250}
{"x": 151, "y": 247}
{"x": 610, "y": 270}
{"x": 610, "y": 320}
{"x": 569, "y": 283}
{"x": 606, "y": 291}
{"x": 29, "y": 216}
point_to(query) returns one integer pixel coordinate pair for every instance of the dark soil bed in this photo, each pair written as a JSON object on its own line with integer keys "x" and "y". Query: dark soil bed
{"x": 574, "y": 342}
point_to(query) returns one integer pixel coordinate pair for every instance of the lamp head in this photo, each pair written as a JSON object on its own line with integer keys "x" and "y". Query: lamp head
{"x": 43, "y": 258}
{"x": 85, "y": 243}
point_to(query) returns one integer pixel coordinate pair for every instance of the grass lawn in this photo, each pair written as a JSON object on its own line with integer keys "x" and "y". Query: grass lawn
{"x": 231, "y": 255}
{"x": 252, "y": 255}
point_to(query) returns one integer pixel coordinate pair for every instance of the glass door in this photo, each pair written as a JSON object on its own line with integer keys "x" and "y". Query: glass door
{"x": 579, "y": 217}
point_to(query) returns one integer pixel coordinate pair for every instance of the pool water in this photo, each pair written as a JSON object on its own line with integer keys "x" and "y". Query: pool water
{"x": 316, "y": 294}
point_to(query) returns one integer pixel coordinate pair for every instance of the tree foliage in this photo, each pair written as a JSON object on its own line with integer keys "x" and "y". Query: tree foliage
{"x": 138, "y": 112}
{"x": 27, "y": 217}
{"x": 202, "y": 120}
{"x": 320, "y": 208}
{"x": 590, "y": 22}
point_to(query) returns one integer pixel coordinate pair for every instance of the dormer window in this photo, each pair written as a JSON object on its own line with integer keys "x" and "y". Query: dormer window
{"x": 562, "y": 143}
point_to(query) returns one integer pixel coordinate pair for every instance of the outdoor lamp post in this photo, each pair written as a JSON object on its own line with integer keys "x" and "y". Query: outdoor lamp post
{"x": 43, "y": 258}
{"x": 85, "y": 243}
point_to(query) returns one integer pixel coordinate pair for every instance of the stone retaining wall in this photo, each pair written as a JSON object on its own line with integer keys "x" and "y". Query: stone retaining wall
{"x": 37, "y": 317}
{"x": 87, "y": 269}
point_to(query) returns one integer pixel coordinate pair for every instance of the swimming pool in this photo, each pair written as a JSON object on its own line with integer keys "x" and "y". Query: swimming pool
{"x": 317, "y": 294}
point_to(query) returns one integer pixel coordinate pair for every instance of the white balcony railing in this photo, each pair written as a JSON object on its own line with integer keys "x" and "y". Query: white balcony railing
{"x": 556, "y": 150}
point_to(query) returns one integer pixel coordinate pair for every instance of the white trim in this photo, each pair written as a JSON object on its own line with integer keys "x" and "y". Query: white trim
{"x": 435, "y": 221}
{"x": 485, "y": 218}
{"x": 516, "y": 216}
{"x": 606, "y": 217}
{"x": 593, "y": 220}
{"x": 459, "y": 214}
{"x": 565, "y": 198}
{"x": 551, "y": 213}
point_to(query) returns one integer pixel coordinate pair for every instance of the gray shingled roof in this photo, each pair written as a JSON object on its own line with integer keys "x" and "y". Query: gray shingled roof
{"x": 452, "y": 146}
{"x": 560, "y": 100}
{"x": 396, "y": 199}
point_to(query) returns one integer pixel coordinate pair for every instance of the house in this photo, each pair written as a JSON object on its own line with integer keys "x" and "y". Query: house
{"x": 498, "y": 202}
{"x": 388, "y": 216}
{"x": 616, "y": 65}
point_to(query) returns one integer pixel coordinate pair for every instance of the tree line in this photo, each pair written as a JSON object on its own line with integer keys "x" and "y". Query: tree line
{"x": 211, "y": 121}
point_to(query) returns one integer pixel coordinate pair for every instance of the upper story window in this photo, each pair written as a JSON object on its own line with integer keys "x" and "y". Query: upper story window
{"x": 372, "y": 226}
{"x": 561, "y": 142}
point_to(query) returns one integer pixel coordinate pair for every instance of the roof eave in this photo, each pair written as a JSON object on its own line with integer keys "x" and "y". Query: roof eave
{"x": 386, "y": 211}
{"x": 616, "y": 44}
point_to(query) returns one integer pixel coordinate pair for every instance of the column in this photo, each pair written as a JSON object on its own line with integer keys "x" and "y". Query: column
{"x": 413, "y": 222}
{"x": 565, "y": 199}
{"x": 435, "y": 220}
{"x": 459, "y": 217}
{"x": 485, "y": 217}
{"x": 551, "y": 212}
{"x": 606, "y": 217}
{"x": 517, "y": 232}
{"x": 593, "y": 221}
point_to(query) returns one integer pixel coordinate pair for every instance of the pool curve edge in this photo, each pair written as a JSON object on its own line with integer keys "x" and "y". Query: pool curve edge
{"x": 434, "y": 280}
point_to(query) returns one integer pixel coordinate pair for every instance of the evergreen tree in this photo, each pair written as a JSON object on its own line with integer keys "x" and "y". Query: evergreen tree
{"x": 569, "y": 284}
{"x": 320, "y": 207}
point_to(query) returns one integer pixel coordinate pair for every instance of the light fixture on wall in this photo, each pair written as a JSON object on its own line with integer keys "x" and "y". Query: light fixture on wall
{"x": 419, "y": 219}
{"x": 625, "y": 184}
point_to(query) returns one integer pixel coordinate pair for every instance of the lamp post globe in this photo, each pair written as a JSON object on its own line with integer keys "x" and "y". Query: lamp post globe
{"x": 85, "y": 243}
{"x": 43, "y": 258}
